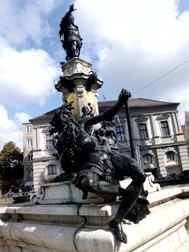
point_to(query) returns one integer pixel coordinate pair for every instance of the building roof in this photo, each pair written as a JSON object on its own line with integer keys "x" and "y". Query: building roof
{"x": 132, "y": 103}
{"x": 139, "y": 102}
{"x": 47, "y": 116}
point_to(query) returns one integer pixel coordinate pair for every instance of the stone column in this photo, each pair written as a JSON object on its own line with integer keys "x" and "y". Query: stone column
{"x": 160, "y": 156}
{"x": 183, "y": 157}
{"x": 76, "y": 73}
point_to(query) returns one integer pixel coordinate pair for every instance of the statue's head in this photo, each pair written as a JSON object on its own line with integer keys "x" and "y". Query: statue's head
{"x": 85, "y": 110}
{"x": 70, "y": 19}
{"x": 63, "y": 122}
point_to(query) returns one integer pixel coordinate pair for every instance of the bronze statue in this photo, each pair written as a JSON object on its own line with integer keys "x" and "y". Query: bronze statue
{"x": 94, "y": 165}
{"x": 69, "y": 35}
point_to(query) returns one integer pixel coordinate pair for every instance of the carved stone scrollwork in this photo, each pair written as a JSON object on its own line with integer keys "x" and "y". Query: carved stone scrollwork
{"x": 141, "y": 119}
{"x": 80, "y": 90}
{"x": 36, "y": 198}
{"x": 76, "y": 66}
{"x": 164, "y": 116}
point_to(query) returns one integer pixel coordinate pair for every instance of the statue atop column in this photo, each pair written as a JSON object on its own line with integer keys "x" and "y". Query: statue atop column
{"x": 85, "y": 141}
{"x": 69, "y": 35}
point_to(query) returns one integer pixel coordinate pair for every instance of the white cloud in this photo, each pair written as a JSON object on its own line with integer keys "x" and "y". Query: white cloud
{"x": 25, "y": 20}
{"x": 149, "y": 24}
{"x": 135, "y": 43}
{"x": 9, "y": 131}
{"x": 22, "y": 117}
{"x": 25, "y": 76}
{"x": 27, "y": 73}
{"x": 130, "y": 43}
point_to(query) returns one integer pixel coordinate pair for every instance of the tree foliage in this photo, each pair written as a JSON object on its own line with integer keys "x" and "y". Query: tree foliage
{"x": 11, "y": 163}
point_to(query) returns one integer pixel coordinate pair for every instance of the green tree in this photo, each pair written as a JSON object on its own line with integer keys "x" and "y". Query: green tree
{"x": 11, "y": 166}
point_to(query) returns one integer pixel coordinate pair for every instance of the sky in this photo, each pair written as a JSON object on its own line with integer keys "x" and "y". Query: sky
{"x": 140, "y": 45}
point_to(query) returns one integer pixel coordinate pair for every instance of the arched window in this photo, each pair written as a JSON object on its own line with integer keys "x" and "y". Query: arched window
{"x": 170, "y": 156}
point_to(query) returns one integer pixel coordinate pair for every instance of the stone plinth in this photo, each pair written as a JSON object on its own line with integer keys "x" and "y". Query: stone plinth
{"x": 77, "y": 71}
{"x": 76, "y": 66}
{"x": 85, "y": 227}
{"x": 64, "y": 192}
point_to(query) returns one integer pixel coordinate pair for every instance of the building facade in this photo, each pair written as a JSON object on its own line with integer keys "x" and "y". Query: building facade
{"x": 158, "y": 140}
{"x": 27, "y": 129}
{"x": 185, "y": 129}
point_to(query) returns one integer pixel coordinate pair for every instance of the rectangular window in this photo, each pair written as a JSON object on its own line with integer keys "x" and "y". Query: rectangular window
{"x": 49, "y": 141}
{"x": 29, "y": 142}
{"x": 29, "y": 129}
{"x": 165, "y": 128}
{"x": 52, "y": 170}
{"x": 143, "y": 131}
{"x": 30, "y": 157}
{"x": 120, "y": 132}
{"x": 148, "y": 159}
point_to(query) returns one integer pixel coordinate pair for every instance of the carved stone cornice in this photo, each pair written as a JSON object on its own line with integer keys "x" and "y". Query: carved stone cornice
{"x": 163, "y": 116}
{"x": 141, "y": 119}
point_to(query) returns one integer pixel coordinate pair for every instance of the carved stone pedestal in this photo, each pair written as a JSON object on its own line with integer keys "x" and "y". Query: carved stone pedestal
{"x": 63, "y": 192}
{"x": 85, "y": 227}
{"x": 66, "y": 192}
{"x": 77, "y": 72}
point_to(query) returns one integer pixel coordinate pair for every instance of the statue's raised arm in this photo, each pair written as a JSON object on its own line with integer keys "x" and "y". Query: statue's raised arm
{"x": 111, "y": 112}
{"x": 69, "y": 35}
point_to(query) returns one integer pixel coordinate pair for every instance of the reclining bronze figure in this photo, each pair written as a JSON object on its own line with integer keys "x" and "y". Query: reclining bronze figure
{"x": 93, "y": 164}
